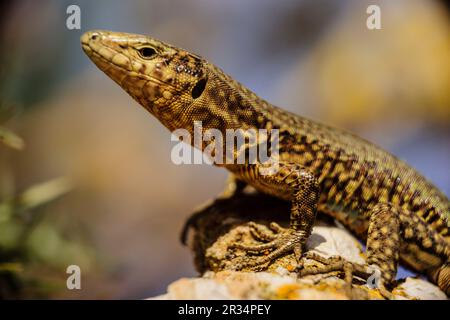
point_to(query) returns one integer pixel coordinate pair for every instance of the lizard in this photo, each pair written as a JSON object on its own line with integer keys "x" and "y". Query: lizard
{"x": 384, "y": 201}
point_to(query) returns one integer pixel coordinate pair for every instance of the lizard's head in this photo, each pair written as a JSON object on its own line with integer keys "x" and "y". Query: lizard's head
{"x": 164, "y": 79}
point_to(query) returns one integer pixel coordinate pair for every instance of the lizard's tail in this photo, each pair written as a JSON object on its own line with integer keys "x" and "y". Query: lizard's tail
{"x": 441, "y": 276}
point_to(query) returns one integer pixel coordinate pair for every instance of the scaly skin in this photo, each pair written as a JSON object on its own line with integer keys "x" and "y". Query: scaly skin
{"x": 374, "y": 194}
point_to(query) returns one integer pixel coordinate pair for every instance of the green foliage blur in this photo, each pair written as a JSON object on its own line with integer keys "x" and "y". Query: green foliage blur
{"x": 28, "y": 237}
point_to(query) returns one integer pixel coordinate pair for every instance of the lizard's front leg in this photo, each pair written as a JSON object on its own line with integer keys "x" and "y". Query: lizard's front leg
{"x": 303, "y": 189}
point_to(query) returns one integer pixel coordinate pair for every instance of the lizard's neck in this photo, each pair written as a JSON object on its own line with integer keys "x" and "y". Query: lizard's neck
{"x": 227, "y": 104}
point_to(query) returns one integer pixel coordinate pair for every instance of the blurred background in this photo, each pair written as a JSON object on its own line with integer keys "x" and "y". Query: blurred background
{"x": 85, "y": 173}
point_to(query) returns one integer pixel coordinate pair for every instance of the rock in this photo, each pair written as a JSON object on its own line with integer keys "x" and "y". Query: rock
{"x": 225, "y": 221}
{"x": 267, "y": 285}
{"x": 248, "y": 285}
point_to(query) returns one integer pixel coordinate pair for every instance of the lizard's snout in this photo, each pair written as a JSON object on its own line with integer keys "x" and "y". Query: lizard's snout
{"x": 103, "y": 49}
{"x": 90, "y": 41}
{"x": 90, "y": 36}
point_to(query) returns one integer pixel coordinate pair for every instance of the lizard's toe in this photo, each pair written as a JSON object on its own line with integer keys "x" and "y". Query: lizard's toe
{"x": 283, "y": 243}
{"x": 261, "y": 232}
{"x": 349, "y": 270}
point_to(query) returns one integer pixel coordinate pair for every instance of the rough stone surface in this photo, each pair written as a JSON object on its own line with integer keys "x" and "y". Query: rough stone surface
{"x": 224, "y": 221}
{"x": 267, "y": 285}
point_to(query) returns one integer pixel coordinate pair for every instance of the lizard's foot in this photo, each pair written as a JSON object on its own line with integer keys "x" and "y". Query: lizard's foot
{"x": 338, "y": 264}
{"x": 281, "y": 242}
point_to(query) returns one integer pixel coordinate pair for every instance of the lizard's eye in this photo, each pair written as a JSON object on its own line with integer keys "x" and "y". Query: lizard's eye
{"x": 147, "y": 52}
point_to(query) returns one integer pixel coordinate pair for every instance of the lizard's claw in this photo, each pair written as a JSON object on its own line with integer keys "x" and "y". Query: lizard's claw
{"x": 281, "y": 241}
{"x": 339, "y": 264}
